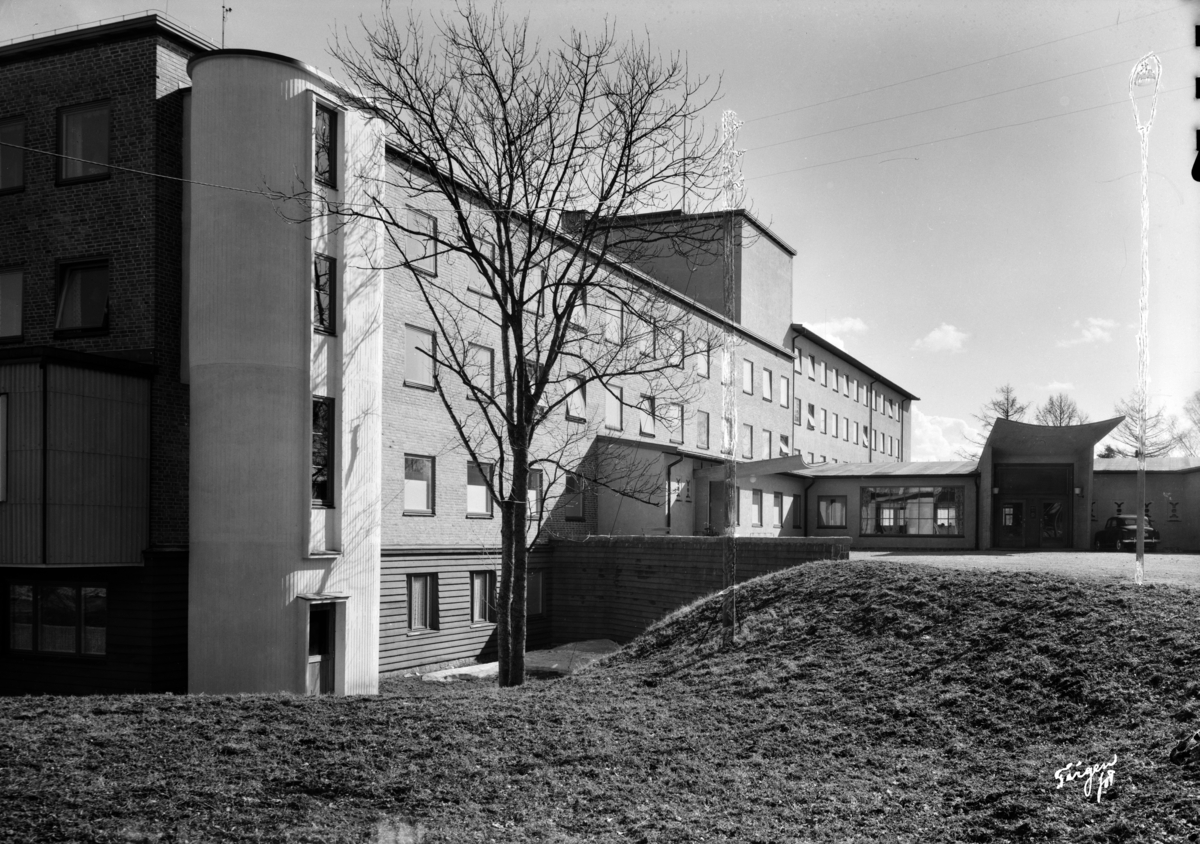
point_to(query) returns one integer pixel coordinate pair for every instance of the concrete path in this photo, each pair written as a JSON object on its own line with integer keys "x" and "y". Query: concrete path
{"x": 1160, "y": 569}
{"x": 557, "y": 662}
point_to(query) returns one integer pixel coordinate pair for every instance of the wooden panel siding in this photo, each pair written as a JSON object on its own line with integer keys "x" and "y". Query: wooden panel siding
{"x": 615, "y": 587}
{"x": 454, "y": 637}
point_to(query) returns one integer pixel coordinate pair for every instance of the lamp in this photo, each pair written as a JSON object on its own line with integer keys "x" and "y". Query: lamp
{"x": 1079, "y": 491}
{"x": 995, "y": 490}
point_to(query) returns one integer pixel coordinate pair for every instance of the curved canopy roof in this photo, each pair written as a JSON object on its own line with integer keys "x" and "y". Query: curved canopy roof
{"x": 1009, "y": 438}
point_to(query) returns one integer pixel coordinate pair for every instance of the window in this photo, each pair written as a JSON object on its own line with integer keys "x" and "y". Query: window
{"x": 614, "y": 321}
{"x": 674, "y": 422}
{"x": 701, "y": 430}
{"x": 83, "y": 142}
{"x": 812, "y": 367}
{"x": 421, "y": 243}
{"x": 703, "y": 360}
{"x": 614, "y": 408}
{"x": 576, "y": 399}
{"x": 534, "y": 605}
{"x": 845, "y": 385}
{"x": 891, "y": 406}
{"x": 11, "y": 296}
{"x": 785, "y": 445}
{"x": 418, "y": 485}
{"x": 777, "y": 510}
{"x": 479, "y": 500}
{"x": 833, "y": 378}
{"x": 834, "y": 426}
{"x": 12, "y": 160}
{"x": 579, "y": 313}
{"x": 322, "y": 451}
{"x": 678, "y": 350}
{"x": 422, "y": 602}
{"x": 64, "y": 618}
{"x": 418, "y": 357}
{"x": 756, "y": 508}
{"x": 3, "y": 447}
{"x": 768, "y": 379}
{"x": 83, "y": 297}
{"x": 831, "y": 511}
{"x": 856, "y": 433}
{"x": 325, "y": 156}
{"x": 824, "y": 421}
{"x": 748, "y": 377}
{"x": 572, "y": 498}
{"x": 323, "y": 281}
{"x": 812, "y": 417}
{"x": 797, "y": 411}
{"x": 533, "y": 494}
{"x": 854, "y": 389}
{"x": 481, "y": 368}
{"x": 811, "y": 459}
{"x": 726, "y": 435}
{"x": 737, "y": 496}
{"x": 822, "y": 374}
{"x": 797, "y": 513}
{"x": 925, "y": 511}
{"x": 483, "y": 597}
{"x": 845, "y": 429}
{"x": 747, "y": 441}
{"x": 822, "y": 460}
{"x": 766, "y": 445}
{"x": 891, "y": 446}
{"x": 784, "y": 391}
{"x": 646, "y": 416}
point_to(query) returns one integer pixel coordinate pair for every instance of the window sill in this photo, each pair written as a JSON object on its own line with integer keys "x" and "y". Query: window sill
{"x": 324, "y": 332}
{"x": 574, "y": 519}
{"x": 422, "y": 271}
{"x": 480, "y": 516}
{"x": 417, "y": 386}
{"x": 647, "y": 436}
{"x": 323, "y": 505}
{"x": 482, "y": 624}
{"x": 73, "y": 333}
{"x": 323, "y": 555}
{"x": 423, "y": 632}
{"x": 419, "y": 513}
{"x": 79, "y": 180}
{"x": 576, "y": 419}
{"x": 611, "y": 428}
{"x": 16, "y": 189}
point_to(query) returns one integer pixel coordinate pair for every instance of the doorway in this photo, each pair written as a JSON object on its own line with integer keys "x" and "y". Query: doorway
{"x": 321, "y": 649}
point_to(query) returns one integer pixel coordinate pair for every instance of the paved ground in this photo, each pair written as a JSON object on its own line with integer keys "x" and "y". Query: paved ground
{"x": 1165, "y": 569}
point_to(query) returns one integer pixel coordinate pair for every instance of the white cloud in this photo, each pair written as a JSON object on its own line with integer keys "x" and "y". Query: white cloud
{"x": 940, "y": 437}
{"x": 1059, "y": 386}
{"x": 1095, "y": 330}
{"x": 833, "y": 329}
{"x": 944, "y": 338}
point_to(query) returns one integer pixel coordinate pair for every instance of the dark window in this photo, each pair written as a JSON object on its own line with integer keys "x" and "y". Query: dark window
{"x": 421, "y": 244}
{"x": 572, "y": 498}
{"x": 422, "y": 602}
{"x": 925, "y": 511}
{"x": 83, "y": 297}
{"x": 483, "y": 597}
{"x": 3, "y": 447}
{"x": 11, "y": 295}
{"x": 12, "y": 159}
{"x": 83, "y": 142}
{"x": 64, "y": 618}
{"x": 323, "y": 281}
{"x": 831, "y": 510}
{"x": 322, "y": 451}
{"x": 320, "y": 623}
{"x": 534, "y": 582}
{"x": 325, "y": 168}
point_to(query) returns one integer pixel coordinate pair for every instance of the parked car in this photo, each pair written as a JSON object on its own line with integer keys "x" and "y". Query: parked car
{"x": 1120, "y": 534}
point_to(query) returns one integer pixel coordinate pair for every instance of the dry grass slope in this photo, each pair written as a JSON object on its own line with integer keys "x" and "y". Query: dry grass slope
{"x": 862, "y": 702}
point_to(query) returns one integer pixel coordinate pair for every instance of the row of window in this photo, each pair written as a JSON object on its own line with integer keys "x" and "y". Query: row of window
{"x": 899, "y": 510}
{"x": 767, "y": 381}
{"x": 828, "y": 376}
{"x": 58, "y": 618}
{"x": 81, "y": 299}
{"x": 843, "y": 428}
{"x": 420, "y": 498}
{"x": 423, "y": 604}
{"x": 83, "y": 145}
{"x": 776, "y": 514}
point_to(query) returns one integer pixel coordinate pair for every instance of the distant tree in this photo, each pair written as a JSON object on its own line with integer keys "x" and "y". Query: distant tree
{"x": 1004, "y": 406}
{"x": 1060, "y": 410}
{"x": 1109, "y": 452}
{"x": 1163, "y": 434}
{"x": 1190, "y": 439}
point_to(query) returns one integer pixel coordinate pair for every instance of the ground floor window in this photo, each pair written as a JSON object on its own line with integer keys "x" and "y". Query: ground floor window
{"x": 422, "y": 602}
{"x": 533, "y": 593}
{"x": 483, "y": 597}
{"x": 58, "y": 618}
{"x": 926, "y": 511}
{"x": 831, "y": 511}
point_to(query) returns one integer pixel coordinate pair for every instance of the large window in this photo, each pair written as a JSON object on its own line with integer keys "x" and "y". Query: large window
{"x": 924, "y": 511}
{"x": 572, "y": 498}
{"x": 323, "y": 281}
{"x": 12, "y": 160}
{"x": 479, "y": 500}
{"x": 322, "y": 451}
{"x": 614, "y": 408}
{"x": 483, "y": 597}
{"x": 58, "y": 618}
{"x": 83, "y": 142}
{"x": 418, "y": 357}
{"x": 83, "y": 297}
{"x": 701, "y": 429}
{"x": 325, "y": 158}
{"x": 422, "y": 602}
{"x": 12, "y": 283}
{"x": 418, "y": 485}
{"x": 831, "y": 510}
{"x": 420, "y": 245}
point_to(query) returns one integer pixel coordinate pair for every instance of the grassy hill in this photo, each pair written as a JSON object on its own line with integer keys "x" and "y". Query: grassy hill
{"x": 861, "y": 702}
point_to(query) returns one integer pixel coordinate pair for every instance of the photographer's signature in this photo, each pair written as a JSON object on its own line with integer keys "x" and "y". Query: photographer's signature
{"x": 1101, "y": 774}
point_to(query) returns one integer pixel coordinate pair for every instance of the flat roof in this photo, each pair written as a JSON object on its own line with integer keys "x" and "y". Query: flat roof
{"x": 811, "y": 335}
{"x": 914, "y": 468}
{"x": 675, "y": 214}
{"x": 1153, "y": 464}
{"x": 68, "y": 37}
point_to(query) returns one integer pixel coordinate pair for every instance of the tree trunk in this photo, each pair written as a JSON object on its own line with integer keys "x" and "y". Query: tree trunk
{"x": 504, "y": 598}
{"x": 511, "y": 628}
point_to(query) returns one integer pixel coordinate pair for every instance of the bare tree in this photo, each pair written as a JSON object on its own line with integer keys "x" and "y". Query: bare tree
{"x": 1004, "y": 406}
{"x": 525, "y": 169}
{"x": 1190, "y": 431}
{"x": 1060, "y": 410}
{"x": 1163, "y": 434}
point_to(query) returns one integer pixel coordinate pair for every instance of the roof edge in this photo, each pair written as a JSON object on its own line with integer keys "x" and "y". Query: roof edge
{"x": 65, "y": 37}
{"x": 830, "y": 347}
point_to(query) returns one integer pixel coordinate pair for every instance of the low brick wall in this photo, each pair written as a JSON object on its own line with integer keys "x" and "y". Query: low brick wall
{"x": 614, "y": 587}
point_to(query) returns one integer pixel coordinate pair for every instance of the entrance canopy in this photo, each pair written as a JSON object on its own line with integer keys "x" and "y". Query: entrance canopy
{"x": 1019, "y": 439}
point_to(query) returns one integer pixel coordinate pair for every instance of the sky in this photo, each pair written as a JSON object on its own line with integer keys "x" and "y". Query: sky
{"x": 961, "y": 181}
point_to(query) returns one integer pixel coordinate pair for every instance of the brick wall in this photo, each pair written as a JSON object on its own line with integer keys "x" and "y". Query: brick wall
{"x": 615, "y": 587}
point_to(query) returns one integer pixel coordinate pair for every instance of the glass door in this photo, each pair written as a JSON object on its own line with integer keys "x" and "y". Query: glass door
{"x": 1055, "y": 523}
{"x": 1010, "y": 523}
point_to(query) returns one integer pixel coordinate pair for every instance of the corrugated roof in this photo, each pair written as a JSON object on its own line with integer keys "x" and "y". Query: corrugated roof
{"x": 923, "y": 468}
{"x": 1153, "y": 464}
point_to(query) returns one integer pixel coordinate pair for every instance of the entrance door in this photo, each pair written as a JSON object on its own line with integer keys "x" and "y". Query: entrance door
{"x": 1054, "y": 523}
{"x": 320, "y": 649}
{"x": 1010, "y": 523}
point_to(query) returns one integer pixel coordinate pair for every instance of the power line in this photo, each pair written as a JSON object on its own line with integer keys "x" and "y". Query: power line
{"x": 957, "y": 102}
{"x": 962, "y": 66}
{"x": 954, "y": 137}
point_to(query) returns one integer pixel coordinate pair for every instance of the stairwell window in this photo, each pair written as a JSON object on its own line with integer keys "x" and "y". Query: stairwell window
{"x": 325, "y": 152}
{"x": 322, "y": 451}
{"x": 83, "y": 141}
{"x": 323, "y": 280}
